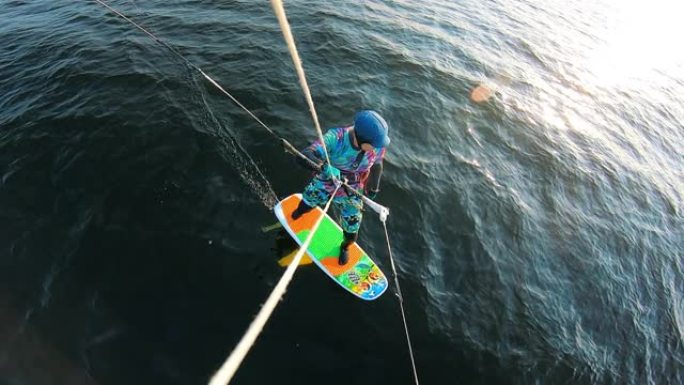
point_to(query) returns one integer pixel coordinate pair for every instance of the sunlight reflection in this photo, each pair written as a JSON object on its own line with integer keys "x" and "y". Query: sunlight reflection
{"x": 642, "y": 37}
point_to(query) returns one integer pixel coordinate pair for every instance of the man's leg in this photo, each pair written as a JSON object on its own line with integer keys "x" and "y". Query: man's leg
{"x": 314, "y": 195}
{"x": 351, "y": 222}
{"x": 301, "y": 209}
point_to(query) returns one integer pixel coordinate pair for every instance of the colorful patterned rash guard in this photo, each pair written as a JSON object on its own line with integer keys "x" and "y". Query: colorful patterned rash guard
{"x": 354, "y": 164}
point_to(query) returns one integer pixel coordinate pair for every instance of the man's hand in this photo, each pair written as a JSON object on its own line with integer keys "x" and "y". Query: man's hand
{"x": 331, "y": 172}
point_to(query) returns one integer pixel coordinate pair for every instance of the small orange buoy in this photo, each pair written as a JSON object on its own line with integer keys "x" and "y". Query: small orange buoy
{"x": 481, "y": 93}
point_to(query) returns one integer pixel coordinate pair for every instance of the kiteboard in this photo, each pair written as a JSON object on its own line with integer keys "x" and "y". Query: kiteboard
{"x": 360, "y": 275}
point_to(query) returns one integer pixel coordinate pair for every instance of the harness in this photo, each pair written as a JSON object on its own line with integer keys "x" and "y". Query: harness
{"x": 354, "y": 177}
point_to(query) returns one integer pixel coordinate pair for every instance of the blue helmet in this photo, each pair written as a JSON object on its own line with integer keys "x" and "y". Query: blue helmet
{"x": 371, "y": 128}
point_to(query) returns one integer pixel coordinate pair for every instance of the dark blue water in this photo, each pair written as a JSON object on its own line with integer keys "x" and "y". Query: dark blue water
{"x": 539, "y": 236}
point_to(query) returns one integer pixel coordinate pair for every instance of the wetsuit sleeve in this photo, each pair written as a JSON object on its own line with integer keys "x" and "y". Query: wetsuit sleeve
{"x": 373, "y": 182}
{"x": 311, "y": 156}
{"x": 315, "y": 150}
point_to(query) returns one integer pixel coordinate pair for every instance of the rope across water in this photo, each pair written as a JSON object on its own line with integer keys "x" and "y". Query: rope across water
{"x": 228, "y": 369}
{"x": 188, "y": 62}
{"x": 287, "y": 33}
{"x": 287, "y": 145}
{"x": 401, "y": 304}
{"x": 232, "y": 363}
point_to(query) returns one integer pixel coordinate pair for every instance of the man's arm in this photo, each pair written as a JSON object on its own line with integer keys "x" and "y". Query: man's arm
{"x": 315, "y": 151}
{"x": 373, "y": 183}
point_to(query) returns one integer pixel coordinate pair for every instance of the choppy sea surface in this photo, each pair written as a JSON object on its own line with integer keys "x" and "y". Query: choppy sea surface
{"x": 538, "y": 236}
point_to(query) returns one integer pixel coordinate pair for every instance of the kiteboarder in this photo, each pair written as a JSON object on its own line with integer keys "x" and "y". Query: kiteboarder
{"x": 356, "y": 153}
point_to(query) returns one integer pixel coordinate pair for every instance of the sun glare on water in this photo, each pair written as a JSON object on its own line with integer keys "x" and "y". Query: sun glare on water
{"x": 642, "y": 36}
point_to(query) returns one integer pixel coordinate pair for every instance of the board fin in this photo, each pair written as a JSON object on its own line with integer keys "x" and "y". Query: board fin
{"x": 275, "y": 226}
{"x": 286, "y": 260}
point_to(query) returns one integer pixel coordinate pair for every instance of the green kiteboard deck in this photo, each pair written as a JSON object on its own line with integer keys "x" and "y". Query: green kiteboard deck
{"x": 360, "y": 275}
